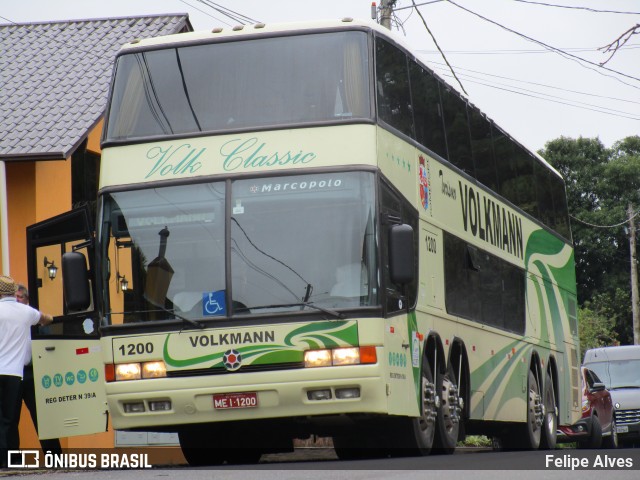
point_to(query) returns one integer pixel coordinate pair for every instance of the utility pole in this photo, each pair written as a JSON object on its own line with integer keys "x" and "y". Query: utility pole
{"x": 386, "y": 10}
{"x": 635, "y": 305}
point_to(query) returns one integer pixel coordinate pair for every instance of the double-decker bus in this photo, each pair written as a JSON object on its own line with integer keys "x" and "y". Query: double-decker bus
{"x": 302, "y": 230}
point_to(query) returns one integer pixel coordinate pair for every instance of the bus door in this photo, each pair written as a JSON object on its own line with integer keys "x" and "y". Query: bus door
{"x": 68, "y": 370}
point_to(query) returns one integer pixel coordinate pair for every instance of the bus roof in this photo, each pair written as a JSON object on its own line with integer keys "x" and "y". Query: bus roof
{"x": 266, "y": 29}
{"x": 259, "y": 29}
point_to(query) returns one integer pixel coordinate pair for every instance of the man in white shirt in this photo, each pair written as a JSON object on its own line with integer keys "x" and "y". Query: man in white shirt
{"x": 29, "y": 389}
{"x": 16, "y": 321}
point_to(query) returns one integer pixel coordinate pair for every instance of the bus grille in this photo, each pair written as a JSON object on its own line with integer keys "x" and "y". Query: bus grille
{"x": 627, "y": 417}
{"x": 223, "y": 371}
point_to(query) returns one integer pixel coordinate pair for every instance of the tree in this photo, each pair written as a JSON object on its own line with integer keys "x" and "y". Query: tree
{"x": 596, "y": 329}
{"x": 623, "y": 189}
{"x": 580, "y": 162}
{"x": 601, "y": 184}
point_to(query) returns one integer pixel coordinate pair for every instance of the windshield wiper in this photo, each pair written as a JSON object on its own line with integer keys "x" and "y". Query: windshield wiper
{"x": 333, "y": 313}
{"x": 624, "y": 386}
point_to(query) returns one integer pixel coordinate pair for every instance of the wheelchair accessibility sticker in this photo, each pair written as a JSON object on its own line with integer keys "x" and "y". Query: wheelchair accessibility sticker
{"x": 213, "y": 304}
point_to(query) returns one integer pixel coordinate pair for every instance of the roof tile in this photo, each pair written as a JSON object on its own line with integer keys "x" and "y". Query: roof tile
{"x": 55, "y": 78}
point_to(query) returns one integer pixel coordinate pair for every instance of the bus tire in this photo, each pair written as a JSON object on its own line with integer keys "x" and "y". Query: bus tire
{"x": 449, "y": 413}
{"x": 415, "y": 436}
{"x": 361, "y": 444}
{"x": 548, "y": 437}
{"x": 208, "y": 447}
{"x": 535, "y": 420}
{"x": 197, "y": 451}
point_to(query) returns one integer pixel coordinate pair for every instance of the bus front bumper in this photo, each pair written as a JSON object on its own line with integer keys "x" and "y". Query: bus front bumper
{"x": 166, "y": 402}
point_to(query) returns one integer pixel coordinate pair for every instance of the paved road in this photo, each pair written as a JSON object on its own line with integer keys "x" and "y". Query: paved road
{"x": 319, "y": 464}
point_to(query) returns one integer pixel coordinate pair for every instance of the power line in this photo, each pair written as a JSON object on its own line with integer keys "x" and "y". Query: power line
{"x": 520, "y": 51}
{"x": 417, "y": 5}
{"x": 576, "y": 8}
{"x": 596, "y": 108}
{"x": 606, "y": 226}
{"x": 547, "y": 96}
{"x": 424, "y": 22}
{"x": 541, "y": 84}
{"x": 205, "y": 13}
{"x": 227, "y": 12}
{"x": 581, "y": 61}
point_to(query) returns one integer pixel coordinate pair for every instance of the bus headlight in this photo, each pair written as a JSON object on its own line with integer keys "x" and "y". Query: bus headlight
{"x": 340, "y": 356}
{"x": 138, "y": 371}
{"x": 317, "y": 358}
{"x": 154, "y": 370}
{"x": 128, "y": 371}
{"x": 346, "y": 356}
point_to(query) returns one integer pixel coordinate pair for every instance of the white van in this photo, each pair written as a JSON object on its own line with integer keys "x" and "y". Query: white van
{"x": 619, "y": 369}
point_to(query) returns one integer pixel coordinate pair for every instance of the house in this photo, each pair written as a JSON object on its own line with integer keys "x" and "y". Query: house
{"x": 54, "y": 81}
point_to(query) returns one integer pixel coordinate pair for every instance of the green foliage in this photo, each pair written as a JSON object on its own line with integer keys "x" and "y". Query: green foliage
{"x": 475, "y": 441}
{"x": 601, "y": 184}
{"x": 596, "y": 328}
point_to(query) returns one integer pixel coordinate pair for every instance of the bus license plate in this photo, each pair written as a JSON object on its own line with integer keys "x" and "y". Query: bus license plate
{"x": 622, "y": 429}
{"x": 235, "y": 400}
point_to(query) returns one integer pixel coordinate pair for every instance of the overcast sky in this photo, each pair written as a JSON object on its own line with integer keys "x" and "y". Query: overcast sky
{"x": 534, "y": 94}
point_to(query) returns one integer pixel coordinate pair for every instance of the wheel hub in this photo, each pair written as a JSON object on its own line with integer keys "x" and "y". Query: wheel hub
{"x": 454, "y": 403}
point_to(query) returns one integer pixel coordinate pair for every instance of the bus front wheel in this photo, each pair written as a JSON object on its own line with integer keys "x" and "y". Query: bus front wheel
{"x": 415, "y": 436}
{"x": 214, "y": 446}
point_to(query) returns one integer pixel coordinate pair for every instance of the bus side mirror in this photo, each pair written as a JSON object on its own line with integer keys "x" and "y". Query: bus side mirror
{"x": 401, "y": 254}
{"x": 75, "y": 280}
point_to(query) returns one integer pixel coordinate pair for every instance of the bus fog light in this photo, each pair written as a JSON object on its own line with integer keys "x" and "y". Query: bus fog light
{"x": 160, "y": 406}
{"x": 134, "y": 407}
{"x": 348, "y": 392}
{"x": 319, "y": 394}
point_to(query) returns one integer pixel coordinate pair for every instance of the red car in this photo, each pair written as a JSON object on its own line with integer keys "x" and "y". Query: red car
{"x": 596, "y": 428}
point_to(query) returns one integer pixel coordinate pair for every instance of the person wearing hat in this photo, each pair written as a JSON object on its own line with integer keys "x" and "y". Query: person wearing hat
{"x": 16, "y": 320}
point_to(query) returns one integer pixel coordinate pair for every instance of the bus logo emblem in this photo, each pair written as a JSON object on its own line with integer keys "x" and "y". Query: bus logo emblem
{"x": 424, "y": 183}
{"x": 232, "y": 360}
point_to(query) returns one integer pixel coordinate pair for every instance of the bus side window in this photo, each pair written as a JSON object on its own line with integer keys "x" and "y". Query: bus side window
{"x": 394, "y": 210}
{"x": 392, "y": 80}
{"x": 427, "y": 109}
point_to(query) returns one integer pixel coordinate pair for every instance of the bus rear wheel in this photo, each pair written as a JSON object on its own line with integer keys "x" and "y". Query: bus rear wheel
{"x": 535, "y": 415}
{"x": 449, "y": 413}
{"x": 527, "y": 435}
{"x": 550, "y": 422}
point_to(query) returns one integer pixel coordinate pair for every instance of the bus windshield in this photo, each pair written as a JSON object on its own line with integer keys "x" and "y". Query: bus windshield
{"x": 204, "y": 88}
{"x": 294, "y": 240}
